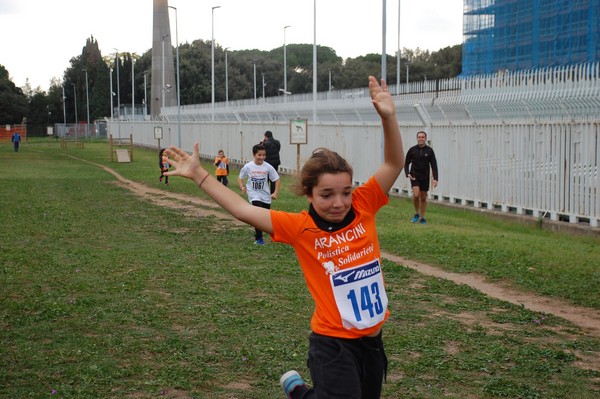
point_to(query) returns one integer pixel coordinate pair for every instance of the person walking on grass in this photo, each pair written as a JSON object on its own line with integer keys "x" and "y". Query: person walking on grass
{"x": 222, "y": 165}
{"x": 258, "y": 173}
{"x": 420, "y": 159}
{"x": 16, "y": 140}
{"x": 338, "y": 250}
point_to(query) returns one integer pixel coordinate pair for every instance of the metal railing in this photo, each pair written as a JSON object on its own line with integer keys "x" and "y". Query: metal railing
{"x": 525, "y": 142}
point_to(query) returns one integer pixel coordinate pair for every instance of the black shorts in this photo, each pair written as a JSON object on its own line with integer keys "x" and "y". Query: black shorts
{"x": 422, "y": 183}
{"x": 346, "y": 368}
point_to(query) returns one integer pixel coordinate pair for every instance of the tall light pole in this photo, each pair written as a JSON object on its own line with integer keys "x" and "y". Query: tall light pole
{"x": 284, "y": 65}
{"x": 254, "y": 62}
{"x": 112, "y": 93}
{"x": 118, "y": 96}
{"x": 315, "y": 60}
{"x": 162, "y": 86}
{"x": 226, "y": 80}
{"x": 178, "y": 95}
{"x": 65, "y": 108}
{"x": 75, "y": 101}
{"x": 87, "y": 102}
{"x": 329, "y": 79}
{"x": 383, "y": 49}
{"x": 399, "y": 52}
{"x": 118, "y": 87}
{"x": 145, "y": 94}
{"x": 263, "y": 86}
{"x": 213, "y": 62}
{"x": 132, "y": 88}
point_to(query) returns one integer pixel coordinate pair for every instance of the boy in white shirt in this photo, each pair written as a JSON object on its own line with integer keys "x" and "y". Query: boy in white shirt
{"x": 258, "y": 174}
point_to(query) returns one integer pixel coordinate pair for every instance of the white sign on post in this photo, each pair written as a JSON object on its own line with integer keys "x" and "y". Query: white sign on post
{"x": 298, "y": 135}
{"x": 299, "y": 131}
{"x": 158, "y": 132}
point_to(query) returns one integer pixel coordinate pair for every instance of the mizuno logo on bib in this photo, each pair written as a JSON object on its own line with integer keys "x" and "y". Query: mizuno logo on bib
{"x": 360, "y": 295}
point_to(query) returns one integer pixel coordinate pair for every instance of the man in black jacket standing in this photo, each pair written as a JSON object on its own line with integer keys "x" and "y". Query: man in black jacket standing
{"x": 419, "y": 159}
{"x": 272, "y": 146}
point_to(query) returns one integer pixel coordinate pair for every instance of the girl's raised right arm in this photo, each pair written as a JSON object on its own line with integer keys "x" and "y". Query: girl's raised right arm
{"x": 189, "y": 166}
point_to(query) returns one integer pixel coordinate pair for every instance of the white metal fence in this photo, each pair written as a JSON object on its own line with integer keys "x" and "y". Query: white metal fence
{"x": 525, "y": 142}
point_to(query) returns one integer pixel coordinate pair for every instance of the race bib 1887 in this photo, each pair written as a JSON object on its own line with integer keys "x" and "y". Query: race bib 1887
{"x": 360, "y": 295}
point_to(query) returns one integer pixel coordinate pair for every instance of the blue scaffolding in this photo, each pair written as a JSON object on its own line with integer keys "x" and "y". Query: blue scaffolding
{"x": 512, "y": 35}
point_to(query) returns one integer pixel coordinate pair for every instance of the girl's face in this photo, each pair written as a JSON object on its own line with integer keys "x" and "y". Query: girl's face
{"x": 332, "y": 196}
{"x": 260, "y": 156}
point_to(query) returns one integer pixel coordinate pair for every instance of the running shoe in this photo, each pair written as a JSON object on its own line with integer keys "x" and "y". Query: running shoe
{"x": 290, "y": 381}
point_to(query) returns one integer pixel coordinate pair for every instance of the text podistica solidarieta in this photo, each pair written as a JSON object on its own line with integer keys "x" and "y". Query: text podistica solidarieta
{"x": 333, "y": 246}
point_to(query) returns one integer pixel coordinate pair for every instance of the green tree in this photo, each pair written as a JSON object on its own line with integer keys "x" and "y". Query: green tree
{"x": 54, "y": 102}
{"x": 13, "y": 102}
{"x": 196, "y": 81}
{"x": 357, "y": 69}
{"x": 38, "y": 114}
{"x": 447, "y": 62}
{"x": 91, "y": 63}
{"x": 195, "y": 72}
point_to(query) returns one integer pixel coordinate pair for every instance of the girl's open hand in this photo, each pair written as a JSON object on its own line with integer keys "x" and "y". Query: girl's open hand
{"x": 186, "y": 165}
{"x": 381, "y": 98}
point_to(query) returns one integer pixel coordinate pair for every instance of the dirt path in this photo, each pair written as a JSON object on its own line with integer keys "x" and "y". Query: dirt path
{"x": 585, "y": 318}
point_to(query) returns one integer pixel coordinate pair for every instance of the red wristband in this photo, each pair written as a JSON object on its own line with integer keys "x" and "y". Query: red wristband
{"x": 202, "y": 182}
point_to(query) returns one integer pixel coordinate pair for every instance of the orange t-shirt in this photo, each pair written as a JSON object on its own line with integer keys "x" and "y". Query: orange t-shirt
{"x": 221, "y": 166}
{"x": 343, "y": 268}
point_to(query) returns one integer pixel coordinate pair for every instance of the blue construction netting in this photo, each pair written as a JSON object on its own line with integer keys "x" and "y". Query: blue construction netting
{"x": 512, "y": 35}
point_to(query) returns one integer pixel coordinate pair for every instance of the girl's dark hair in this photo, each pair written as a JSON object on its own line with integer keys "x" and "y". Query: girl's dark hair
{"x": 160, "y": 155}
{"x": 321, "y": 161}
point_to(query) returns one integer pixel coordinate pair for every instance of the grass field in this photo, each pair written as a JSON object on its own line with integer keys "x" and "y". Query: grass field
{"x": 107, "y": 295}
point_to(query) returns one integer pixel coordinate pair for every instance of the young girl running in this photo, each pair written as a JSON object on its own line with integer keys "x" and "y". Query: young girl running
{"x": 222, "y": 168}
{"x": 338, "y": 250}
{"x": 163, "y": 164}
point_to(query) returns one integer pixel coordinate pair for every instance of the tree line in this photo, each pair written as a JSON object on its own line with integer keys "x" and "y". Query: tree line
{"x": 40, "y": 109}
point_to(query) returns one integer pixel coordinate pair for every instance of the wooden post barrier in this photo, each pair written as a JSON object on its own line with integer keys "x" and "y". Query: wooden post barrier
{"x": 123, "y": 155}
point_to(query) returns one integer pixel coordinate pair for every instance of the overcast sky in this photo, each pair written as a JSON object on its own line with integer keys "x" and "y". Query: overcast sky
{"x": 39, "y": 37}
